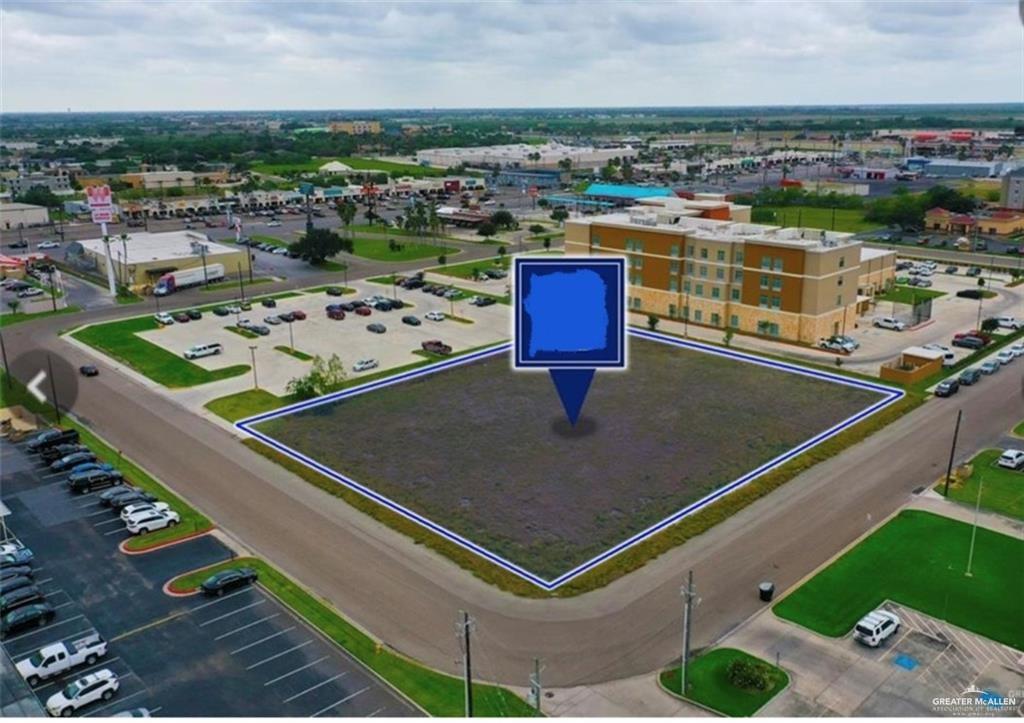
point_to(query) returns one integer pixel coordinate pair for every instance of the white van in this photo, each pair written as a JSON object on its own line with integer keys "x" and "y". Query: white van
{"x": 876, "y": 627}
{"x": 201, "y": 350}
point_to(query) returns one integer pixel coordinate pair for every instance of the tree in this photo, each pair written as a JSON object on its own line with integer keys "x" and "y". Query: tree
{"x": 347, "y": 213}
{"x": 559, "y": 214}
{"x": 547, "y": 243}
{"x": 502, "y": 251}
{"x": 652, "y": 322}
{"x": 487, "y": 228}
{"x": 442, "y": 260}
{"x": 566, "y": 165}
{"x": 536, "y": 229}
{"x": 990, "y": 324}
{"x": 319, "y": 243}
{"x": 729, "y": 333}
{"x": 14, "y": 305}
{"x": 39, "y": 196}
{"x": 504, "y": 219}
{"x": 324, "y": 376}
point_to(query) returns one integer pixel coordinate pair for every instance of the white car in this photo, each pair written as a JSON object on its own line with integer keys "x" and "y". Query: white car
{"x": 888, "y": 322}
{"x": 140, "y": 508}
{"x": 279, "y": 251}
{"x": 101, "y": 685}
{"x": 1006, "y": 356}
{"x": 875, "y": 627}
{"x": 28, "y": 293}
{"x": 164, "y": 318}
{"x": 1010, "y": 322}
{"x": 363, "y": 364}
{"x": 1018, "y": 349}
{"x": 234, "y": 309}
{"x": 948, "y": 357}
{"x": 1011, "y": 459}
{"x": 152, "y": 521}
{"x": 434, "y": 315}
{"x": 49, "y": 245}
{"x": 273, "y": 224}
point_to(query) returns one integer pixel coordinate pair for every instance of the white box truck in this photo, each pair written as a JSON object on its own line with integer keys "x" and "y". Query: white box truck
{"x": 169, "y": 283}
{"x": 59, "y": 657}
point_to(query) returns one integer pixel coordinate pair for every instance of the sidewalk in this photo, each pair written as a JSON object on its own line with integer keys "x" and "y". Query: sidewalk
{"x": 630, "y": 698}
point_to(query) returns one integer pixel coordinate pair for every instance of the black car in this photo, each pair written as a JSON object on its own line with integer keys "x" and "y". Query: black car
{"x": 52, "y": 437}
{"x": 970, "y": 293}
{"x": 15, "y": 571}
{"x": 947, "y": 388}
{"x": 411, "y": 320}
{"x": 94, "y": 479}
{"x": 356, "y": 304}
{"x": 181, "y": 317}
{"x": 107, "y": 497}
{"x": 65, "y": 463}
{"x": 376, "y": 328}
{"x": 414, "y": 283}
{"x": 287, "y": 317}
{"x": 346, "y": 306}
{"x": 225, "y": 580}
{"x": 969, "y": 376}
{"x": 18, "y": 244}
{"x": 969, "y": 342}
{"x": 383, "y": 305}
{"x": 21, "y": 596}
{"x": 428, "y": 288}
{"x": 269, "y": 303}
{"x": 88, "y": 370}
{"x": 121, "y": 501}
{"x": 397, "y": 303}
{"x": 261, "y": 330}
{"x": 36, "y": 615}
{"x": 485, "y": 301}
{"x": 10, "y": 584}
{"x": 334, "y": 291}
{"x": 52, "y": 454}
{"x": 194, "y": 314}
{"x": 221, "y": 311}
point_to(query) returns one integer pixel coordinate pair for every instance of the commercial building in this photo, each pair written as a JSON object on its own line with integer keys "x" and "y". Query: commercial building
{"x": 1011, "y": 194}
{"x": 998, "y": 222}
{"x": 140, "y": 259}
{"x": 21, "y": 215}
{"x": 523, "y": 155}
{"x": 953, "y": 168}
{"x": 58, "y": 183}
{"x": 539, "y": 178}
{"x": 356, "y": 127}
{"x": 797, "y": 284}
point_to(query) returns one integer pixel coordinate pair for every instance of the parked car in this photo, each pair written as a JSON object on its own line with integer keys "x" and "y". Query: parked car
{"x": 35, "y": 615}
{"x": 363, "y": 310}
{"x": 181, "y": 317}
{"x": 876, "y": 627}
{"x": 334, "y": 291}
{"x": 137, "y": 508}
{"x": 365, "y": 364}
{"x": 989, "y": 367}
{"x": 435, "y": 316}
{"x": 101, "y": 685}
{"x": 1005, "y": 356}
{"x": 15, "y": 571}
{"x": 234, "y": 309}
{"x": 272, "y": 320}
{"x": 1018, "y": 349}
{"x": 119, "y": 502}
{"x": 269, "y": 303}
{"x": 298, "y": 315}
{"x": 376, "y": 328}
{"x": 10, "y": 584}
{"x": 164, "y": 319}
{"x": 22, "y": 596}
{"x": 948, "y": 357}
{"x": 411, "y": 320}
{"x": 1010, "y": 322}
{"x": 88, "y": 370}
{"x": 16, "y": 558}
{"x": 49, "y": 245}
{"x": 888, "y": 322}
{"x": 1011, "y": 459}
{"x": 94, "y": 479}
{"x": 65, "y": 463}
{"x": 52, "y": 454}
{"x": 194, "y": 314}
{"x": 30, "y": 292}
{"x": 260, "y": 329}
{"x": 836, "y": 344}
{"x": 951, "y": 269}
{"x": 436, "y": 346}
{"x": 947, "y": 388}
{"x": 107, "y": 498}
{"x": 983, "y": 335}
{"x": 969, "y": 342}
{"x": 382, "y": 305}
{"x": 337, "y": 314}
{"x": 969, "y": 293}
{"x": 287, "y": 317}
{"x": 56, "y": 658}
{"x": 227, "y": 580}
{"x": 974, "y": 271}
{"x": 152, "y": 522}
{"x": 51, "y": 437}
{"x": 221, "y": 311}
{"x": 200, "y": 350}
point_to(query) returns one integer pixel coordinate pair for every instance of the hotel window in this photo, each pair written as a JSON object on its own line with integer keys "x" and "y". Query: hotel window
{"x": 689, "y": 268}
{"x": 734, "y": 321}
{"x": 673, "y": 283}
{"x": 689, "y": 250}
{"x": 698, "y": 315}
{"x": 636, "y": 279}
{"x": 766, "y": 262}
{"x": 720, "y": 255}
{"x": 636, "y": 262}
{"x": 842, "y": 261}
{"x": 686, "y": 312}
{"x": 739, "y": 257}
{"x": 686, "y": 285}
{"x": 735, "y": 293}
{"x": 703, "y": 253}
{"x": 716, "y": 293}
{"x": 703, "y": 272}
{"x": 595, "y": 239}
{"x": 715, "y": 319}
{"x": 636, "y": 302}
{"x": 674, "y": 251}
{"x": 762, "y": 301}
{"x": 737, "y": 275}
{"x": 777, "y": 264}
{"x": 699, "y": 290}
{"x": 720, "y": 273}
{"x": 776, "y": 302}
{"x": 776, "y": 284}
{"x": 839, "y": 300}
{"x": 673, "y": 267}
{"x": 765, "y": 282}
{"x": 672, "y": 310}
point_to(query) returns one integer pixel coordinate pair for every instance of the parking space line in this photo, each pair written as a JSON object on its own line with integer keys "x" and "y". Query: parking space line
{"x": 108, "y": 522}
{"x": 214, "y": 602}
{"x": 278, "y": 655}
{"x": 115, "y": 702}
{"x": 154, "y": 711}
{"x": 343, "y": 700}
{"x": 245, "y": 627}
{"x": 290, "y": 673}
{"x": 98, "y": 513}
{"x": 43, "y": 582}
{"x": 262, "y": 640}
{"x": 314, "y": 687}
{"x": 63, "y": 605}
{"x": 233, "y": 612}
{"x": 374, "y": 714}
{"x": 41, "y": 630}
{"x": 115, "y": 532}
{"x": 88, "y": 504}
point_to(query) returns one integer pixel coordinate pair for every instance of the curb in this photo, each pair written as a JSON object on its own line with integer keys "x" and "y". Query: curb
{"x": 162, "y": 545}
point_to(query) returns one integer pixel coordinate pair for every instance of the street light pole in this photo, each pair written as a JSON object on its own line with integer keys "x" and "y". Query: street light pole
{"x": 291, "y": 335}
{"x": 952, "y": 451}
{"x": 974, "y": 529}
{"x": 255, "y": 379}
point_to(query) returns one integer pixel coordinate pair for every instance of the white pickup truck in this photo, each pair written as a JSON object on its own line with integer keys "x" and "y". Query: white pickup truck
{"x": 59, "y": 657}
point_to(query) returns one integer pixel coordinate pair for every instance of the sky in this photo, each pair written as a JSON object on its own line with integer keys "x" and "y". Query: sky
{"x": 121, "y": 55}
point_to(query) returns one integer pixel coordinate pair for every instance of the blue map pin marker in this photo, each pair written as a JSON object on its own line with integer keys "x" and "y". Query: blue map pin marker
{"x": 570, "y": 318}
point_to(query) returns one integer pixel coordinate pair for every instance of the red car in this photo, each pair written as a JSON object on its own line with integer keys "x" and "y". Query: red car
{"x": 436, "y": 346}
{"x": 363, "y": 311}
{"x": 984, "y": 336}
{"x": 336, "y": 314}
{"x": 299, "y": 315}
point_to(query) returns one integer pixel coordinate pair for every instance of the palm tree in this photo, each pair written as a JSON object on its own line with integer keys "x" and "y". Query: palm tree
{"x": 433, "y": 221}
{"x": 347, "y": 213}
{"x": 14, "y": 305}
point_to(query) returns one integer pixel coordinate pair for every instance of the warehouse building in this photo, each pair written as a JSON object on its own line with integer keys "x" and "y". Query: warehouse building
{"x": 141, "y": 258}
{"x": 797, "y": 284}
{"x": 524, "y": 155}
{"x": 22, "y": 215}
{"x": 1011, "y": 194}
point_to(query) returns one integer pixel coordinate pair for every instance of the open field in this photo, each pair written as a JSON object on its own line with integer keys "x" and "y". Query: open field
{"x": 358, "y": 164}
{"x": 846, "y": 219}
{"x": 908, "y": 294}
{"x": 379, "y": 250}
{"x": 468, "y": 269}
{"x": 1002, "y": 491}
{"x": 578, "y": 491}
{"x": 9, "y": 318}
{"x": 707, "y": 683}
{"x": 919, "y": 559}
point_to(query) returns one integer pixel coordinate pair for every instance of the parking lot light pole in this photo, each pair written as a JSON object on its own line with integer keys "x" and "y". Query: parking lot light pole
{"x": 394, "y": 287}
{"x": 291, "y": 337}
{"x": 255, "y": 379}
{"x": 952, "y": 452}
{"x": 974, "y": 527}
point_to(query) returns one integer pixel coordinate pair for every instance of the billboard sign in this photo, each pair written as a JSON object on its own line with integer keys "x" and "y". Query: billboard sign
{"x": 101, "y": 203}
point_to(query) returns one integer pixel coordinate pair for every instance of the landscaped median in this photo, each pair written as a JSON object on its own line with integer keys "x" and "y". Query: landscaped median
{"x": 378, "y": 249}
{"x": 1002, "y": 489}
{"x": 437, "y": 693}
{"x": 919, "y": 559}
{"x": 9, "y": 318}
{"x": 192, "y": 522}
{"x": 727, "y": 681}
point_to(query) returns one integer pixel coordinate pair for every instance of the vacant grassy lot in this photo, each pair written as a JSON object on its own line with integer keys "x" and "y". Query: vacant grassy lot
{"x": 846, "y": 219}
{"x": 509, "y": 474}
{"x": 707, "y": 682}
{"x": 908, "y": 294}
{"x": 119, "y": 340}
{"x": 1002, "y": 491}
{"x": 918, "y": 559}
{"x": 469, "y": 269}
{"x": 379, "y": 250}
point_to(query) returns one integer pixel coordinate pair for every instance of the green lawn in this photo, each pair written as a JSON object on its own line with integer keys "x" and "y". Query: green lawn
{"x": 847, "y": 219}
{"x": 272, "y": 240}
{"x": 1019, "y": 430}
{"x": 377, "y": 249}
{"x": 9, "y": 319}
{"x": 707, "y": 683}
{"x": 234, "y": 284}
{"x": 908, "y": 294}
{"x": 919, "y": 559}
{"x": 1002, "y": 491}
{"x": 329, "y": 266}
{"x": 468, "y": 269}
{"x": 394, "y": 169}
{"x": 245, "y": 404}
{"x": 191, "y": 520}
{"x": 300, "y": 355}
{"x": 119, "y": 340}
{"x": 437, "y": 693}
{"x": 242, "y": 332}
{"x": 323, "y": 289}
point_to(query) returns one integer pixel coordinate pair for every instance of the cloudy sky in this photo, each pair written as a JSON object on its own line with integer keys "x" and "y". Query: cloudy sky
{"x": 234, "y": 54}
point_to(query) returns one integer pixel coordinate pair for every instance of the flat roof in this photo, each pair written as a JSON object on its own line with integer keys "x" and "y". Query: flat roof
{"x": 868, "y": 252}
{"x": 19, "y": 206}
{"x": 144, "y": 247}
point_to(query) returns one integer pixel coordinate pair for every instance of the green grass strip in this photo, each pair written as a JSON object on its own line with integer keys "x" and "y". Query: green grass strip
{"x": 300, "y": 355}
{"x": 1002, "y": 490}
{"x": 10, "y": 319}
{"x": 707, "y": 683}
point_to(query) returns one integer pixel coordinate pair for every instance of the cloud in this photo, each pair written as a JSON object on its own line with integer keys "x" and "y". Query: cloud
{"x": 235, "y": 54}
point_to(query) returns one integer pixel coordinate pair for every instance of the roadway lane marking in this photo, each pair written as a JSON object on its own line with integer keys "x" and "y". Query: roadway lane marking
{"x": 116, "y": 702}
{"x": 278, "y": 655}
{"x": 343, "y": 700}
{"x": 41, "y": 630}
{"x": 262, "y": 640}
{"x": 314, "y": 687}
{"x": 293, "y": 672}
{"x": 246, "y": 626}
{"x": 211, "y": 621}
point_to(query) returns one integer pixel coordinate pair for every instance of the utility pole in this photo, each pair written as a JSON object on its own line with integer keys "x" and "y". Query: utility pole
{"x": 952, "y": 451}
{"x": 7, "y": 369}
{"x": 974, "y": 529}
{"x": 291, "y": 335}
{"x": 53, "y": 288}
{"x": 465, "y": 627}
{"x": 536, "y": 689}
{"x": 689, "y": 593}
{"x": 53, "y": 388}
{"x": 255, "y": 379}
{"x": 241, "y": 284}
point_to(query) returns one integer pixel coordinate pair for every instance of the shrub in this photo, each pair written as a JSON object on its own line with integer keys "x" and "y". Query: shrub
{"x": 748, "y": 674}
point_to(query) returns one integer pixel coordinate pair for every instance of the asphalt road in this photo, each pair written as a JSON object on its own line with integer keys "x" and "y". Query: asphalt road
{"x": 410, "y": 597}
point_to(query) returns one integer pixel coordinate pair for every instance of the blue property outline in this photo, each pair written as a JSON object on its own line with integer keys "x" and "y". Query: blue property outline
{"x": 620, "y": 361}
{"x": 890, "y": 395}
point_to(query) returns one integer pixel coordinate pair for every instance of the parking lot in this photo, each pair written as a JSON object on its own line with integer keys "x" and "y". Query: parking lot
{"x": 235, "y": 655}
